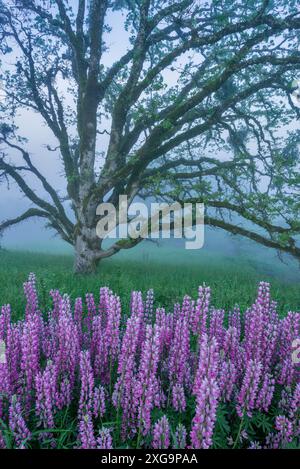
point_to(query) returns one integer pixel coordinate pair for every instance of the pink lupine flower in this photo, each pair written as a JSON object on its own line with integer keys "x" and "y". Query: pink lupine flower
{"x": 149, "y": 306}
{"x": 216, "y": 328}
{"x": 13, "y": 356}
{"x": 180, "y": 437}
{"x": 5, "y": 387}
{"x": 207, "y": 395}
{"x": 87, "y": 385}
{"x": 227, "y": 379}
{"x": 178, "y": 398}
{"x": 91, "y": 310}
{"x": 265, "y": 394}
{"x": 2, "y": 441}
{"x": 56, "y": 298}
{"x": 179, "y": 353}
{"x": 18, "y": 425}
{"x": 234, "y": 320}
{"x": 161, "y": 434}
{"x": 209, "y": 360}
{"x": 104, "y": 440}
{"x": 249, "y": 390}
{"x": 31, "y": 296}
{"x": 30, "y": 346}
{"x": 199, "y": 320}
{"x": 99, "y": 402}
{"x": 187, "y": 310}
{"x": 5, "y": 318}
{"x": 45, "y": 386}
{"x": 146, "y": 382}
{"x": 289, "y": 331}
{"x": 283, "y": 435}
{"x": 66, "y": 357}
{"x": 123, "y": 395}
{"x": 86, "y": 432}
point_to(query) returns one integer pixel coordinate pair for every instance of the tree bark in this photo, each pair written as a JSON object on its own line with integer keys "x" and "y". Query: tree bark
{"x": 87, "y": 248}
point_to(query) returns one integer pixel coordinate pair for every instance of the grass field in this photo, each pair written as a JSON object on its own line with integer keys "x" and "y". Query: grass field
{"x": 171, "y": 273}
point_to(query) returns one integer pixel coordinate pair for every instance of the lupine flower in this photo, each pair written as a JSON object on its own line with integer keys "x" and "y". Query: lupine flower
{"x": 208, "y": 364}
{"x": 91, "y": 310}
{"x": 149, "y": 305}
{"x": 161, "y": 434}
{"x": 18, "y": 425}
{"x": 87, "y": 385}
{"x": 104, "y": 440}
{"x": 179, "y": 353}
{"x": 2, "y": 441}
{"x": 207, "y": 395}
{"x": 199, "y": 320}
{"x": 86, "y": 433}
{"x": 55, "y": 367}
{"x": 45, "y": 385}
{"x": 146, "y": 383}
{"x": 99, "y": 402}
{"x": 178, "y": 398}
{"x": 265, "y": 394}
{"x": 248, "y": 392}
{"x": 180, "y": 437}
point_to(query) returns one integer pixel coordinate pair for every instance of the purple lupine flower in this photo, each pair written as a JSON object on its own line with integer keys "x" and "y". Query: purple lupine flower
{"x": 187, "y": 310}
{"x": 248, "y": 393}
{"x": 232, "y": 349}
{"x": 112, "y": 331}
{"x": 13, "y": 356}
{"x": 66, "y": 356}
{"x": 2, "y": 441}
{"x": 283, "y": 435}
{"x": 146, "y": 382}
{"x": 86, "y": 432}
{"x": 5, "y": 387}
{"x": 207, "y": 395}
{"x": 104, "y": 440}
{"x": 17, "y": 424}
{"x": 30, "y": 346}
{"x": 31, "y": 296}
{"x": 216, "y": 328}
{"x": 149, "y": 305}
{"x": 227, "y": 379}
{"x": 5, "y": 318}
{"x": 180, "y": 437}
{"x": 199, "y": 319}
{"x": 87, "y": 385}
{"x": 161, "y": 434}
{"x": 179, "y": 353}
{"x": 103, "y": 303}
{"x": 78, "y": 310}
{"x": 234, "y": 320}
{"x": 123, "y": 395}
{"x": 56, "y": 298}
{"x": 178, "y": 397}
{"x": 45, "y": 386}
{"x": 294, "y": 403}
{"x": 99, "y": 402}
{"x": 289, "y": 330}
{"x": 265, "y": 394}
{"x": 165, "y": 322}
{"x": 209, "y": 361}
{"x": 255, "y": 445}
{"x": 91, "y": 310}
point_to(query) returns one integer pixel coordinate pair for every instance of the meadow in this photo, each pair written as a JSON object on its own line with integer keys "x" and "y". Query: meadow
{"x": 171, "y": 273}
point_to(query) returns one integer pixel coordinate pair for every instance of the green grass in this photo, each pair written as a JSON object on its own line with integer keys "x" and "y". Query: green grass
{"x": 171, "y": 273}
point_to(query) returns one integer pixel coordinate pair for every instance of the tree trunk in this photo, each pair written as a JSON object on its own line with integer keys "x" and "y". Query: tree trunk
{"x": 87, "y": 250}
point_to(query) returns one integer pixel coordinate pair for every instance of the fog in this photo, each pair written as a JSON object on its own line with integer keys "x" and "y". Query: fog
{"x": 33, "y": 236}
